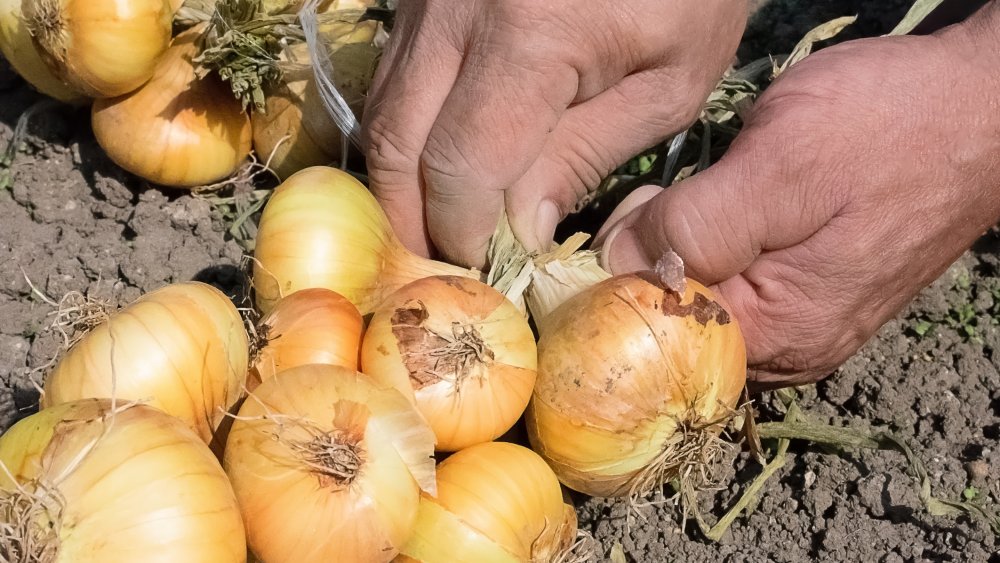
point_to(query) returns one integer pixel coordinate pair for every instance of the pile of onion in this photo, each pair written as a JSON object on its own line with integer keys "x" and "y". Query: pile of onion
{"x": 323, "y": 228}
{"x": 460, "y": 350}
{"x": 182, "y": 348}
{"x": 311, "y": 326}
{"x": 328, "y": 466}
{"x": 92, "y": 481}
{"x": 637, "y": 375}
{"x": 496, "y": 502}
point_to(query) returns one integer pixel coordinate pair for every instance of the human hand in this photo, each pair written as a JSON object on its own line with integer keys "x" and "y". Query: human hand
{"x": 522, "y": 105}
{"x": 862, "y": 173}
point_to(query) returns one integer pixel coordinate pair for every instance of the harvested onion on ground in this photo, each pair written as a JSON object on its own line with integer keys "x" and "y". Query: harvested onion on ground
{"x": 178, "y": 130}
{"x": 496, "y": 502}
{"x": 181, "y": 348}
{"x": 327, "y": 466}
{"x": 463, "y": 352}
{"x": 637, "y": 375}
{"x": 311, "y": 326}
{"x": 296, "y": 130}
{"x": 89, "y": 482}
{"x": 323, "y": 228}
{"x": 101, "y": 48}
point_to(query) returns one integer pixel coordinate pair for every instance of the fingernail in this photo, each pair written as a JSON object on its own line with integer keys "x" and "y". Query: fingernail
{"x": 546, "y": 221}
{"x": 622, "y": 252}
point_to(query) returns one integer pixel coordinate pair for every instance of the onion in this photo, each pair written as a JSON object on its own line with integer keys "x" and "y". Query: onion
{"x": 88, "y": 481}
{"x": 463, "y": 352}
{"x": 634, "y": 383}
{"x": 18, "y": 48}
{"x": 496, "y": 502}
{"x": 181, "y": 348}
{"x": 328, "y": 467}
{"x": 177, "y": 130}
{"x": 322, "y": 228}
{"x": 311, "y": 326}
{"x": 101, "y": 48}
{"x": 296, "y": 131}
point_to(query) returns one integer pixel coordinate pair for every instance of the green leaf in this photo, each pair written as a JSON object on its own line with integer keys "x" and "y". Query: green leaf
{"x": 970, "y": 493}
{"x": 918, "y": 13}
{"x": 923, "y": 327}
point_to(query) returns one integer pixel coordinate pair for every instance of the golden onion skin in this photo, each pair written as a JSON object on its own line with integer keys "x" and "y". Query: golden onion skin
{"x": 177, "y": 130}
{"x": 135, "y": 485}
{"x": 296, "y": 130}
{"x": 20, "y": 51}
{"x": 101, "y": 48}
{"x": 497, "y": 503}
{"x": 311, "y": 326}
{"x": 181, "y": 348}
{"x": 618, "y": 365}
{"x": 297, "y": 513}
{"x": 472, "y": 395}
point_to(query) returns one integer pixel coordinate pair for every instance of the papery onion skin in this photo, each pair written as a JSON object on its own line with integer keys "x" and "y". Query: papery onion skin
{"x": 619, "y": 365}
{"x": 292, "y": 510}
{"x": 101, "y": 48}
{"x": 148, "y": 489}
{"x": 181, "y": 348}
{"x": 496, "y": 502}
{"x": 177, "y": 130}
{"x": 473, "y": 394}
{"x": 323, "y": 228}
{"x": 296, "y": 130}
{"x": 311, "y": 326}
{"x": 20, "y": 51}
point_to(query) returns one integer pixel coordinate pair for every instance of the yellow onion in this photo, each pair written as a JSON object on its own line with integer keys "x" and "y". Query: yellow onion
{"x": 323, "y": 228}
{"x": 296, "y": 130}
{"x": 463, "y": 352}
{"x": 101, "y": 48}
{"x": 634, "y": 382}
{"x": 177, "y": 130}
{"x": 89, "y": 481}
{"x": 327, "y": 466}
{"x": 311, "y": 326}
{"x": 181, "y": 348}
{"x": 496, "y": 503}
{"x": 19, "y": 49}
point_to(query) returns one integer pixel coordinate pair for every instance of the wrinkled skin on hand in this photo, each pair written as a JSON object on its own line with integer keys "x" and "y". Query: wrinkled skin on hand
{"x": 484, "y": 105}
{"x": 862, "y": 174}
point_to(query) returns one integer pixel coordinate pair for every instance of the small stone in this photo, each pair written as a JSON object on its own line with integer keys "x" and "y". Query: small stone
{"x": 978, "y": 470}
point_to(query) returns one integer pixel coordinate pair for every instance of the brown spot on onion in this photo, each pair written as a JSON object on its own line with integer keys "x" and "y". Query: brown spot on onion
{"x": 701, "y": 308}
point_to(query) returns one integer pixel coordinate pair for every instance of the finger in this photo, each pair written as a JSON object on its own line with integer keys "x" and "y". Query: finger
{"x": 636, "y": 199}
{"x": 751, "y": 201}
{"x": 491, "y": 128}
{"x": 410, "y": 85}
{"x": 591, "y": 140}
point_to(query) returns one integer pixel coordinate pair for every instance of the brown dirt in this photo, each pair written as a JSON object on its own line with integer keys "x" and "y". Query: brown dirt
{"x": 73, "y": 221}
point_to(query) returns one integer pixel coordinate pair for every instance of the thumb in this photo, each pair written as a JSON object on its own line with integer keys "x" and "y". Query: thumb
{"x": 708, "y": 220}
{"x": 719, "y": 220}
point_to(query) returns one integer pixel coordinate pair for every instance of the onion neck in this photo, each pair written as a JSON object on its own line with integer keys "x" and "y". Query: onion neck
{"x": 401, "y": 267}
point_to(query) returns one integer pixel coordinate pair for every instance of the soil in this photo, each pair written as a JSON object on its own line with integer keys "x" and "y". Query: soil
{"x": 72, "y": 221}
